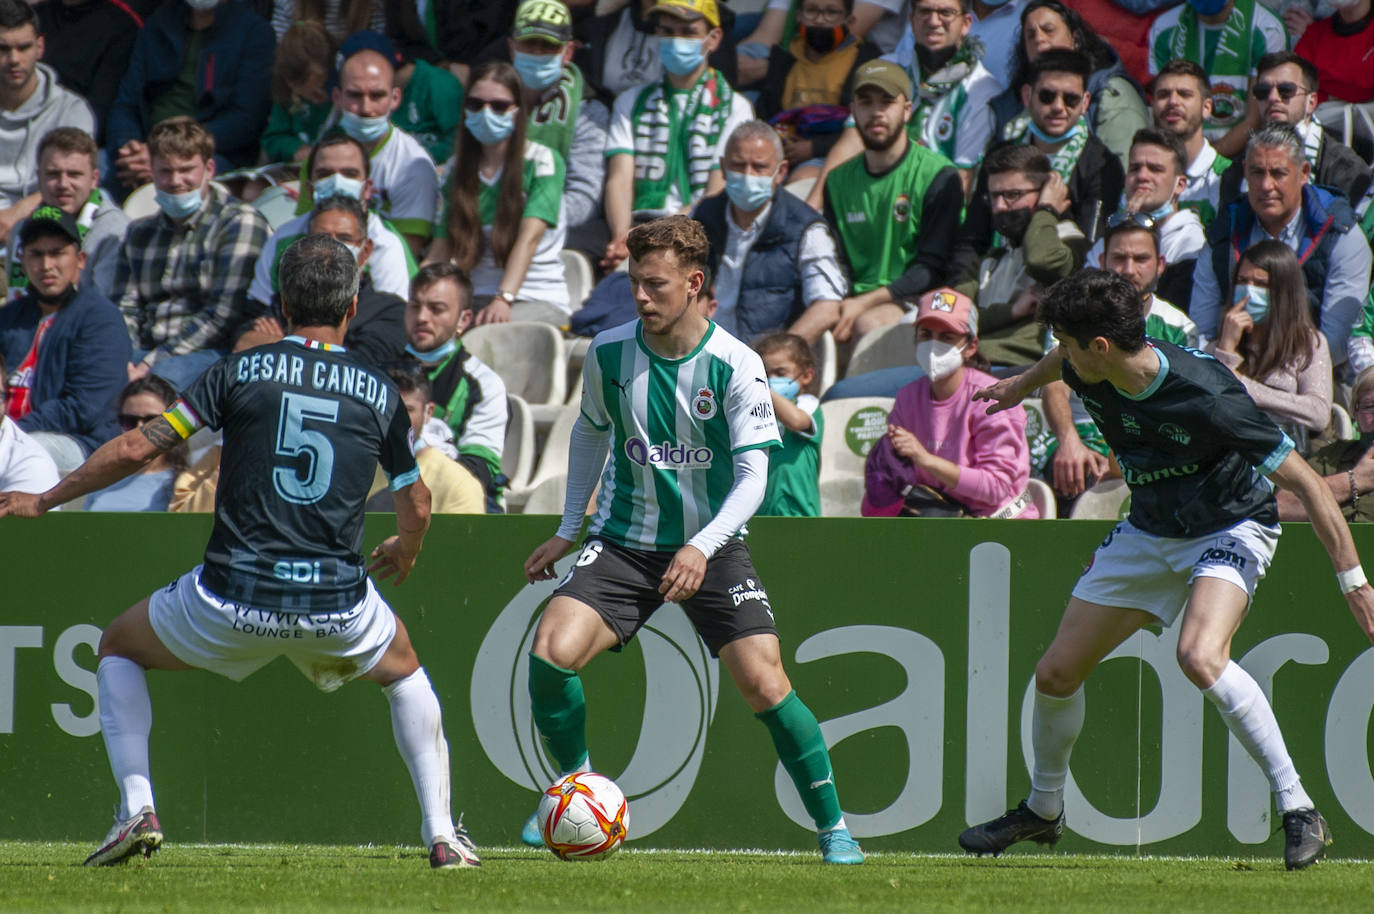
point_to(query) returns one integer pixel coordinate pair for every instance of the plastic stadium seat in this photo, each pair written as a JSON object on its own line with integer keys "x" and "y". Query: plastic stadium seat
{"x": 1108, "y": 500}
{"x": 547, "y": 497}
{"x": 886, "y": 347}
{"x": 278, "y": 204}
{"x": 142, "y": 202}
{"x": 826, "y": 362}
{"x": 1342, "y": 425}
{"x": 800, "y": 189}
{"x": 1043, "y": 497}
{"x": 578, "y": 274}
{"x": 851, "y": 427}
{"x": 842, "y": 496}
{"x": 553, "y": 458}
{"x": 517, "y": 456}
{"x": 528, "y": 355}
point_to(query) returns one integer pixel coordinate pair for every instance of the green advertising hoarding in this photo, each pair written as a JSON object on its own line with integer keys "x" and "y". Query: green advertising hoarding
{"x": 914, "y": 642}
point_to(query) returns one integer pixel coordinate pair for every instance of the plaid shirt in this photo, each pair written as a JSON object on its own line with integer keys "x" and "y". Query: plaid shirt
{"x": 183, "y": 288}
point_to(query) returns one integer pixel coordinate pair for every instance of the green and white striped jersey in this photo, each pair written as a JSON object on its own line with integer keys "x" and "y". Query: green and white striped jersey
{"x": 675, "y": 425}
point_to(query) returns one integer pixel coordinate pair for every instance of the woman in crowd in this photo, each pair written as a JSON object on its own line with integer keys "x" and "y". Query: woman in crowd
{"x": 943, "y": 454}
{"x": 1269, "y": 340}
{"x": 300, "y": 104}
{"x": 501, "y": 214}
{"x": 1117, "y": 109}
{"x": 150, "y": 488}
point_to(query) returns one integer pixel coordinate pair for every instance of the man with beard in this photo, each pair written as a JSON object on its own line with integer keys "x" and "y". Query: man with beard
{"x": 67, "y": 344}
{"x": 1038, "y": 245}
{"x": 1181, "y": 100}
{"x": 894, "y": 209}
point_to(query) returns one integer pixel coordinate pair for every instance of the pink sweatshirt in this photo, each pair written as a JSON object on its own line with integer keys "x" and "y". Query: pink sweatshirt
{"x": 991, "y": 451}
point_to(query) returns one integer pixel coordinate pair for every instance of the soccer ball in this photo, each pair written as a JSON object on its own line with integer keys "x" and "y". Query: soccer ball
{"x": 583, "y": 816}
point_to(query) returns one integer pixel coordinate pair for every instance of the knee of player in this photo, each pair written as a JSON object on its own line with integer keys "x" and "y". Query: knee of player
{"x": 1054, "y": 678}
{"x": 1200, "y": 664}
{"x": 763, "y": 687}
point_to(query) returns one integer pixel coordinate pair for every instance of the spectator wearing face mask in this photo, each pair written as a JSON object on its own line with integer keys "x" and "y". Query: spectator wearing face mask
{"x": 793, "y": 469}
{"x": 943, "y": 453}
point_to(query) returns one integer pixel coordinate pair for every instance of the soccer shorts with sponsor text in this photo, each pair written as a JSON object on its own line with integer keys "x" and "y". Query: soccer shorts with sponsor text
{"x": 234, "y": 640}
{"x": 622, "y": 585}
{"x": 1138, "y": 570}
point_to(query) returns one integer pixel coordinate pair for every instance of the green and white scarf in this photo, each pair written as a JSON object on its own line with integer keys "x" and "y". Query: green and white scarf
{"x": 1230, "y": 61}
{"x": 18, "y": 279}
{"x": 1063, "y": 160}
{"x": 554, "y": 118}
{"x": 942, "y": 90}
{"x": 678, "y": 150}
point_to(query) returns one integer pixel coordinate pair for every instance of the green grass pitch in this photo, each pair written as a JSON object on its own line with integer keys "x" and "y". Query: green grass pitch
{"x": 38, "y": 876}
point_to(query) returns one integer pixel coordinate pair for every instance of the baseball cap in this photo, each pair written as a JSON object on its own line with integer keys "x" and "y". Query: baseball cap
{"x": 885, "y": 75}
{"x": 689, "y": 9}
{"x": 946, "y": 309}
{"x": 547, "y": 19}
{"x": 45, "y": 221}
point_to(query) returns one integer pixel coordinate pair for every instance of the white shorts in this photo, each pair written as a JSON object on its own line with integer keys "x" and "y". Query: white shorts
{"x": 234, "y": 640}
{"x": 1138, "y": 570}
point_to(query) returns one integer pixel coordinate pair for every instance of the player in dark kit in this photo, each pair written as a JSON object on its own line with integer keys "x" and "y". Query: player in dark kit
{"x": 305, "y": 426}
{"x": 1196, "y": 452}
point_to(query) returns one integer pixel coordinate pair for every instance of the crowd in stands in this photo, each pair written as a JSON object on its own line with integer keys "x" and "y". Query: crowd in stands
{"x": 896, "y": 176}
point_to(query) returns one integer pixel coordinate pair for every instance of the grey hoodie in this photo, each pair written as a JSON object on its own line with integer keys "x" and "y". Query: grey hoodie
{"x": 20, "y": 130}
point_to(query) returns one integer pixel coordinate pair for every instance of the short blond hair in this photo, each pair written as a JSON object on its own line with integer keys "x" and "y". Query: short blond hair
{"x": 181, "y": 137}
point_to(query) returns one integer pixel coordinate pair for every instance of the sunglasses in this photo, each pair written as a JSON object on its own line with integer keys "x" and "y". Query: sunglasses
{"x": 1261, "y": 90}
{"x": 497, "y": 106}
{"x": 1143, "y": 220}
{"x": 1071, "y": 99}
{"x": 129, "y": 421}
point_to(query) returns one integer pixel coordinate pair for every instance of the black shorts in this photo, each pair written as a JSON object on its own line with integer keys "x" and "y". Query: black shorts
{"x": 622, "y": 585}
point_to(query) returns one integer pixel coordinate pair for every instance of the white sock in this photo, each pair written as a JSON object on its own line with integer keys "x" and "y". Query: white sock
{"x": 1248, "y": 716}
{"x": 418, "y": 726}
{"x": 126, "y": 719}
{"x": 1055, "y": 726}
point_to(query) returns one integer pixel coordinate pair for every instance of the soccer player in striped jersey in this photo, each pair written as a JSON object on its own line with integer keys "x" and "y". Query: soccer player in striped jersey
{"x": 1202, "y": 462}
{"x": 305, "y": 426}
{"x": 686, "y": 413}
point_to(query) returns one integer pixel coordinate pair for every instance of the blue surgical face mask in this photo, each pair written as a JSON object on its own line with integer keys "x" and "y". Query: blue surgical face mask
{"x": 748, "y": 192}
{"x": 337, "y": 185}
{"x": 538, "y": 71}
{"x": 1207, "y": 7}
{"x": 489, "y": 127}
{"x": 1044, "y": 137}
{"x": 364, "y": 129}
{"x": 1257, "y": 301}
{"x": 1163, "y": 212}
{"x": 787, "y": 388}
{"x": 681, "y": 56}
{"x": 437, "y": 354}
{"x": 180, "y": 206}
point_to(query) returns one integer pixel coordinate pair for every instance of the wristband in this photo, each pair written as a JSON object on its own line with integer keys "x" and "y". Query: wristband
{"x": 1351, "y": 580}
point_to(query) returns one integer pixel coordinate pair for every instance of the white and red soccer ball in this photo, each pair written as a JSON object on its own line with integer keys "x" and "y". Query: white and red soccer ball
{"x": 583, "y": 816}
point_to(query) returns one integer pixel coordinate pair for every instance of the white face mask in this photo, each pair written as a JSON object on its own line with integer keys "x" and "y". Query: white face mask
{"x": 938, "y": 359}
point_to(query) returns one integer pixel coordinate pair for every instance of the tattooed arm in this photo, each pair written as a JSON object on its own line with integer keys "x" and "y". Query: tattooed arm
{"x": 114, "y": 460}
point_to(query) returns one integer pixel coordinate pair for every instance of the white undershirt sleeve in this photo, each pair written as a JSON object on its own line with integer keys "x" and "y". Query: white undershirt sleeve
{"x": 587, "y": 449}
{"x": 743, "y": 499}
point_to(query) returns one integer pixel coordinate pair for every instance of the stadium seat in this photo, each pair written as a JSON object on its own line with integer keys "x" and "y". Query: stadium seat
{"x": 887, "y": 347}
{"x": 517, "y": 456}
{"x": 1043, "y": 497}
{"x": 528, "y": 355}
{"x": 578, "y": 273}
{"x": 842, "y": 496}
{"x": 851, "y": 427}
{"x": 553, "y": 458}
{"x": 142, "y": 202}
{"x": 278, "y": 204}
{"x": 826, "y": 362}
{"x": 1342, "y": 426}
{"x": 1108, "y": 500}
{"x": 547, "y": 497}
{"x": 800, "y": 189}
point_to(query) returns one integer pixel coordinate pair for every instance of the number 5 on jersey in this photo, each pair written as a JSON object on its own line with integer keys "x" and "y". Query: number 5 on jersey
{"x": 294, "y": 439}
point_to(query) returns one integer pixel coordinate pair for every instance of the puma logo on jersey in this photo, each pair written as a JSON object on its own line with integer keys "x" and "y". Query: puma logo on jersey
{"x": 622, "y": 386}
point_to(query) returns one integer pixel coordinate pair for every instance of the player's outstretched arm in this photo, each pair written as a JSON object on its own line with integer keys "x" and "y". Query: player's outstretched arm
{"x": 396, "y": 555}
{"x": 111, "y": 462}
{"x": 1297, "y": 477}
{"x": 1008, "y": 392}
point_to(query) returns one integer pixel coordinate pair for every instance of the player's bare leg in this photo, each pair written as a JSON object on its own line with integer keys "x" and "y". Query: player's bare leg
{"x": 418, "y": 726}
{"x": 1214, "y": 613}
{"x": 1087, "y": 633}
{"x": 755, "y": 663}
{"x": 569, "y": 635}
{"x": 128, "y": 647}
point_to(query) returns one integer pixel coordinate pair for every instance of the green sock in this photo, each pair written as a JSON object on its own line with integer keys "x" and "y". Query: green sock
{"x": 801, "y": 748}
{"x": 560, "y": 712}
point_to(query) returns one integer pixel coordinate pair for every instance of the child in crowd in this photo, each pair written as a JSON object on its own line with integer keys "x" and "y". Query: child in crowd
{"x": 793, "y": 469}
